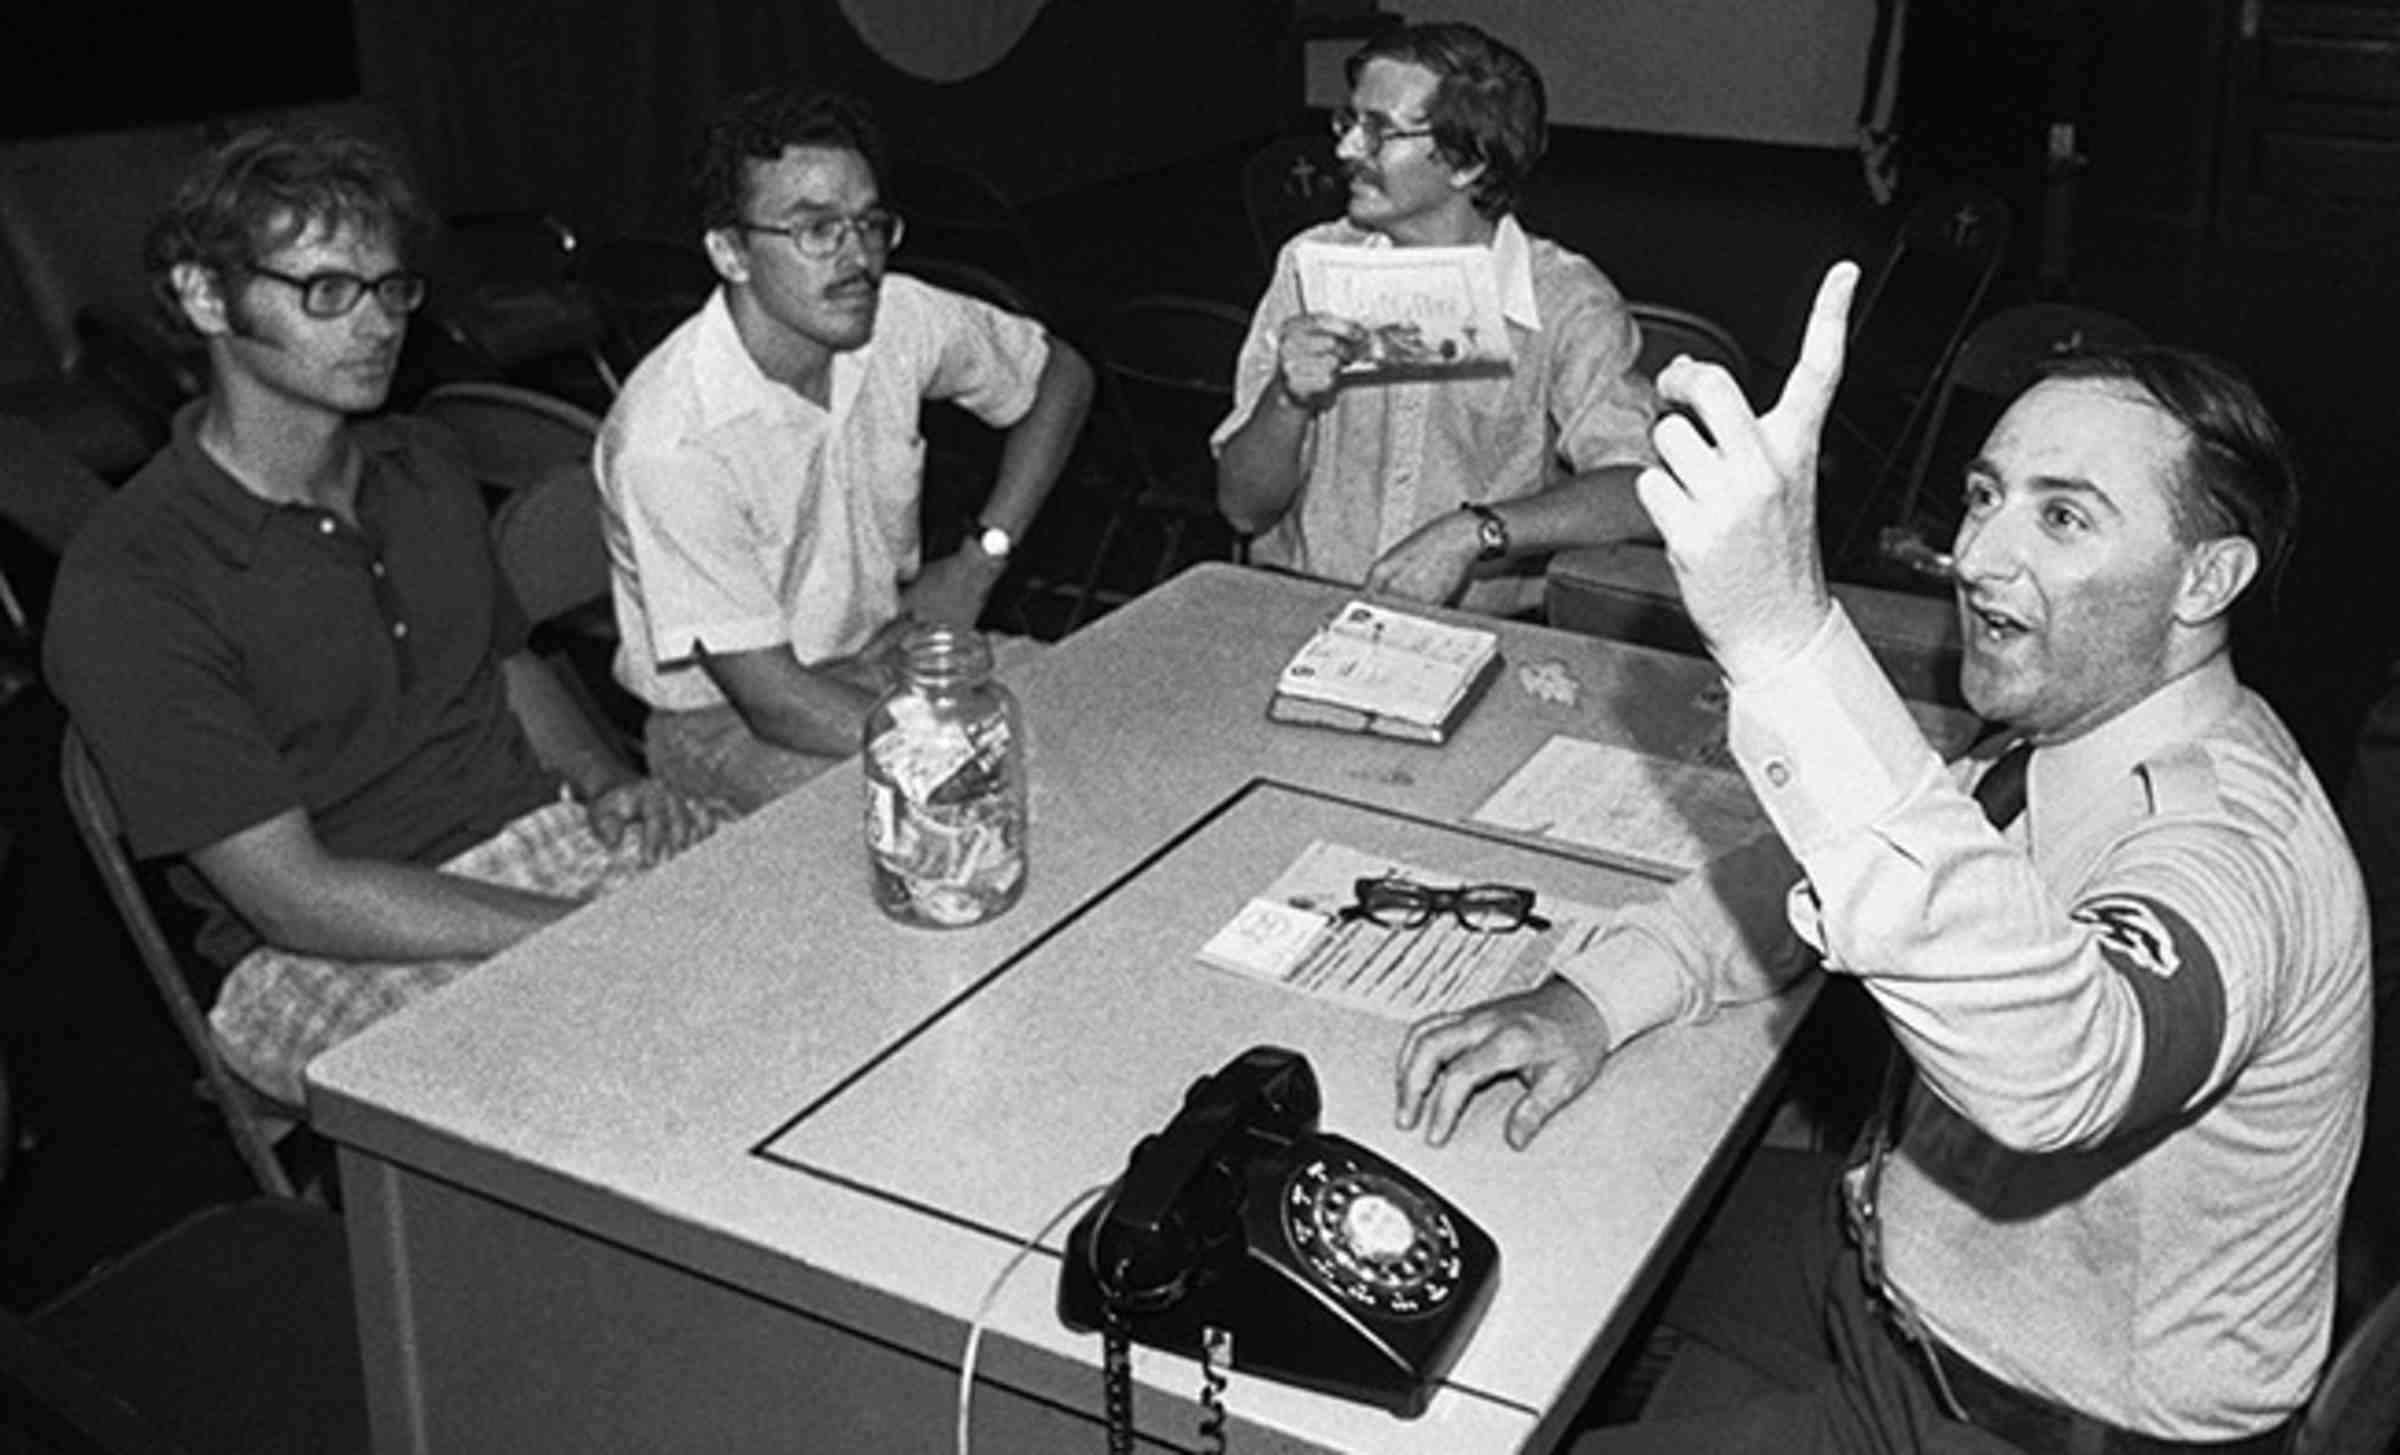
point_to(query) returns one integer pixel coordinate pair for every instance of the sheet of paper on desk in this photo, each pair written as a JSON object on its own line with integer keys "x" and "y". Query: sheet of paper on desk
{"x": 1289, "y": 935}
{"x": 1426, "y": 310}
{"x": 1606, "y": 797}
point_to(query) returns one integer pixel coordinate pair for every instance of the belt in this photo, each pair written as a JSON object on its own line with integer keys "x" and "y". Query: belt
{"x": 2036, "y": 1424}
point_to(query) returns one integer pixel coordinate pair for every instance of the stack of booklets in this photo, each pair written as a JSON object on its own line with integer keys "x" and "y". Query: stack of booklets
{"x": 1375, "y": 670}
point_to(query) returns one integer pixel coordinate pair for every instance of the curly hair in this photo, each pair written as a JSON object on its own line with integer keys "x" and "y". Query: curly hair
{"x": 267, "y": 188}
{"x": 758, "y": 126}
{"x": 1489, "y": 106}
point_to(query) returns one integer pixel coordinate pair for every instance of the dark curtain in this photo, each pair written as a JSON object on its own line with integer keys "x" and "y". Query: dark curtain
{"x": 587, "y": 107}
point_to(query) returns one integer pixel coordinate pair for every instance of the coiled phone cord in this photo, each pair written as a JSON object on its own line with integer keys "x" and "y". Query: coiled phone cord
{"x": 1116, "y": 1379}
{"x": 1216, "y": 1349}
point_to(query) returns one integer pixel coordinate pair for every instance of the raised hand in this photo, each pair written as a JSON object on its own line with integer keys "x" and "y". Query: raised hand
{"x": 1738, "y": 505}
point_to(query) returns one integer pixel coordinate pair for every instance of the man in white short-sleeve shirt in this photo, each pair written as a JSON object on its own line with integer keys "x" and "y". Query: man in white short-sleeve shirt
{"x": 761, "y": 472}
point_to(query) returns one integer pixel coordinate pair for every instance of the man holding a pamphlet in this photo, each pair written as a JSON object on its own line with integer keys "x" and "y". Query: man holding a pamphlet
{"x": 1430, "y": 398}
{"x": 2121, "y": 948}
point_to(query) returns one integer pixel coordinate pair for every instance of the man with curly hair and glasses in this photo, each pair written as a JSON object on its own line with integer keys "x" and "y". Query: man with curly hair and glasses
{"x": 762, "y": 470}
{"x": 1444, "y": 489}
{"x": 292, "y": 653}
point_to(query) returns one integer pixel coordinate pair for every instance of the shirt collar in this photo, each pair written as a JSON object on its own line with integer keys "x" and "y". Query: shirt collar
{"x": 2084, "y": 773}
{"x": 239, "y": 518}
{"x": 731, "y": 384}
{"x": 728, "y": 381}
{"x": 1512, "y": 261}
{"x": 1512, "y": 268}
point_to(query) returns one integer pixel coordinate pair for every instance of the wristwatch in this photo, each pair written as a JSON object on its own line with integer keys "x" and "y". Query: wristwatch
{"x": 994, "y": 542}
{"x": 1491, "y": 532}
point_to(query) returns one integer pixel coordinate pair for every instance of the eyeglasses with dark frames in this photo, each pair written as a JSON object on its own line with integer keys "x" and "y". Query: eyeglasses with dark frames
{"x": 1375, "y": 127}
{"x": 1403, "y": 904}
{"x": 333, "y": 293}
{"x": 877, "y": 229}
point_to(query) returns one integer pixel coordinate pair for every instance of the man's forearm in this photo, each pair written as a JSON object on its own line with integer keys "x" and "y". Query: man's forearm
{"x": 818, "y": 710}
{"x": 1593, "y": 508}
{"x": 1259, "y": 470}
{"x": 1037, "y": 447}
{"x": 563, "y": 735}
{"x": 380, "y": 910}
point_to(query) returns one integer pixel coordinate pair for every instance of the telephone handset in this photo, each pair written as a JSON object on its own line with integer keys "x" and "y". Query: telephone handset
{"x": 1330, "y": 1267}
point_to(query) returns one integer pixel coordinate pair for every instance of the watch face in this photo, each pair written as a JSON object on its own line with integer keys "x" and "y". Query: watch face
{"x": 994, "y": 542}
{"x": 1492, "y": 534}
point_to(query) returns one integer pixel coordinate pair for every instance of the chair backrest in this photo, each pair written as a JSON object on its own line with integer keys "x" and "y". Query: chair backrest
{"x": 954, "y": 212}
{"x": 1911, "y": 313}
{"x": 74, "y": 211}
{"x": 644, "y": 287}
{"x": 551, "y": 544}
{"x": 1290, "y": 183}
{"x": 957, "y": 275}
{"x": 44, "y": 491}
{"x": 1166, "y": 363}
{"x": 247, "y": 1112}
{"x": 514, "y": 437}
{"x": 2356, "y": 1409}
{"x": 1668, "y": 331}
{"x": 1997, "y": 361}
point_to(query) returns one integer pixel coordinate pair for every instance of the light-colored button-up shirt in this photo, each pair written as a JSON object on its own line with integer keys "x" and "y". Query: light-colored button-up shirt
{"x": 1385, "y": 459}
{"x": 2140, "y": 1019}
{"x": 740, "y": 515}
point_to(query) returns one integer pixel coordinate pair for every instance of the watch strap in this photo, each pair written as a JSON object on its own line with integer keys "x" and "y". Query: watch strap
{"x": 1491, "y": 532}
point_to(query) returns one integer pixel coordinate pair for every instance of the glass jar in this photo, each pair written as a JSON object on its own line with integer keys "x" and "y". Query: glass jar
{"x": 945, "y": 776}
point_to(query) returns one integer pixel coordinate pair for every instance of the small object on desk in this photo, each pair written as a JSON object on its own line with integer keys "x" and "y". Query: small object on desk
{"x": 1677, "y": 815}
{"x": 1318, "y": 1262}
{"x": 945, "y": 781}
{"x": 1375, "y": 670}
{"x": 1550, "y": 682}
{"x": 1306, "y": 932}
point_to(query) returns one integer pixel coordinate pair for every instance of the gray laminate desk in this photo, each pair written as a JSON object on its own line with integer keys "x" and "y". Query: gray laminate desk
{"x": 725, "y": 1162}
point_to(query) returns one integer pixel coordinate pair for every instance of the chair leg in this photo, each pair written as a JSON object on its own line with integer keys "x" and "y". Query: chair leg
{"x": 1089, "y": 588}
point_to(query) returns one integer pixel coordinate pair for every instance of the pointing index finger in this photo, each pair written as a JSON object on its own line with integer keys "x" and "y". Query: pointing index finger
{"x": 1808, "y": 393}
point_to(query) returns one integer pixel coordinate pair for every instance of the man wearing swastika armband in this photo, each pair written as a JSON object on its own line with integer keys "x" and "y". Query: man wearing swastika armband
{"x": 2121, "y": 948}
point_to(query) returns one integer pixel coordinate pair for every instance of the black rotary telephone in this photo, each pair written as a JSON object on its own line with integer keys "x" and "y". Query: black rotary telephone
{"x": 1327, "y": 1266}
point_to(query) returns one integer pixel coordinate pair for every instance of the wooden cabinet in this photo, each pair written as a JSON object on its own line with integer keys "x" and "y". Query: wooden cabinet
{"x": 2312, "y": 137}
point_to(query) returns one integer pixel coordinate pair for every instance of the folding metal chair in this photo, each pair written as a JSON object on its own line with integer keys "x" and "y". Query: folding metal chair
{"x": 514, "y": 437}
{"x": 552, "y": 547}
{"x": 252, "y": 1119}
{"x": 644, "y": 287}
{"x": 1908, "y": 320}
{"x": 1668, "y": 331}
{"x": 1166, "y": 366}
{"x": 2000, "y": 359}
{"x": 1290, "y": 183}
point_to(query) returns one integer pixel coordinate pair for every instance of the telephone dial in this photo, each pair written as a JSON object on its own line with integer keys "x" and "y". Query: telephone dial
{"x": 1327, "y": 1266}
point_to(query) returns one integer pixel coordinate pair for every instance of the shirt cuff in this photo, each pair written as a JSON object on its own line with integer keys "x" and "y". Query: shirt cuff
{"x": 1632, "y": 978}
{"x": 1826, "y": 742}
{"x": 673, "y": 644}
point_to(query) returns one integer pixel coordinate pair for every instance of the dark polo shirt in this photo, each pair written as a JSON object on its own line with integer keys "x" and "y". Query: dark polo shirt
{"x": 229, "y": 659}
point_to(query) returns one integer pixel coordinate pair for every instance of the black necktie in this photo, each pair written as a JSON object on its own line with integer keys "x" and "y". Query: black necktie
{"x": 2001, "y": 789}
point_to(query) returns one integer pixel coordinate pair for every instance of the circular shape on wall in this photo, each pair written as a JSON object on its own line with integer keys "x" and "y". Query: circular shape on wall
{"x": 942, "y": 40}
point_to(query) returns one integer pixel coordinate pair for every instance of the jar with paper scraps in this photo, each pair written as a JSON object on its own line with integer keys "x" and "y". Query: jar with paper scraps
{"x": 945, "y": 776}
